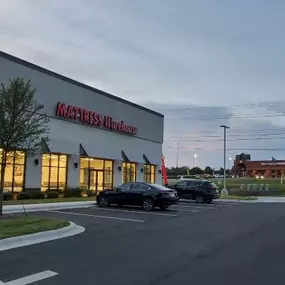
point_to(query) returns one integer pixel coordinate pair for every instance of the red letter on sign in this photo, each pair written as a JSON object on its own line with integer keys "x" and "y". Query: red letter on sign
{"x": 86, "y": 116}
{"x": 108, "y": 122}
{"x": 69, "y": 114}
{"x": 61, "y": 109}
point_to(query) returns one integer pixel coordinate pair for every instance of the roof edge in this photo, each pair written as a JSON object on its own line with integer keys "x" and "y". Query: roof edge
{"x": 74, "y": 82}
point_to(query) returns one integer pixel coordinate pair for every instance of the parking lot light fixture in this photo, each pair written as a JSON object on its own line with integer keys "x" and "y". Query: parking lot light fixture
{"x": 225, "y": 191}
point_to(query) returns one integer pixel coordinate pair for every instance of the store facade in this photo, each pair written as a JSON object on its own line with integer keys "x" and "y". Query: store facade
{"x": 96, "y": 140}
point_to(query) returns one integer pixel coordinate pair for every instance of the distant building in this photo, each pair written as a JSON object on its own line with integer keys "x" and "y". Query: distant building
{"x": 245, "y": 167}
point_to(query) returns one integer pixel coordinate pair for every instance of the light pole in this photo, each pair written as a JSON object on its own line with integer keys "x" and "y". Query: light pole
{"x": 194, "y": 156}
{"x": 177, "y": 154}
{"x": 225, "y": 191}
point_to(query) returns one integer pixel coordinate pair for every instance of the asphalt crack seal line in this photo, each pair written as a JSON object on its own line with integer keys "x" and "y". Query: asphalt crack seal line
{"x": 40, "y": 237}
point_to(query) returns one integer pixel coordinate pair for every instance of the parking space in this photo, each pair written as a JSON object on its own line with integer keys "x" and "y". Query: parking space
{"x": 154, "y": 246}
{"x": 136, "y": 215}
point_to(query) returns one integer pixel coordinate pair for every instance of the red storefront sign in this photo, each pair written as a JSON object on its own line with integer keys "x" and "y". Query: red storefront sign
{"x": 93, "y": 119}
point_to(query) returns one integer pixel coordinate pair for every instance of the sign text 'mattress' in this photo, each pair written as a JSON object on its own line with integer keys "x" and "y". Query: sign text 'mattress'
{"x": 93, "y": 118}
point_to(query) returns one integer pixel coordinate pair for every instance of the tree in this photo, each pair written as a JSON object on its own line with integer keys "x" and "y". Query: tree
{"x": 21, "y": 126}
{"x": 196, "y": 171}
{"x": 208, "y": 170}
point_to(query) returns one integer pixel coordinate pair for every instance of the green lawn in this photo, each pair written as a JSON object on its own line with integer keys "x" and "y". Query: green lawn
{"x": 238, "y": 197}
{"x": 56, "y": 200}
{"x": 17, "y": 225}
{"x": 235, "y": 183}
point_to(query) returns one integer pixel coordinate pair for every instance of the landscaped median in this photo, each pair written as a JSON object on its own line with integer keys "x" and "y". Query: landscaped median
{"x": 17, "y": 225}
{"x": 23, "y": 230}
{"x": 235, "y": 197}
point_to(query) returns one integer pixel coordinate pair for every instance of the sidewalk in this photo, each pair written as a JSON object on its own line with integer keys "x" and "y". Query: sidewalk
{"x": 12, "y": 209}
{"x": 270, "y": 200}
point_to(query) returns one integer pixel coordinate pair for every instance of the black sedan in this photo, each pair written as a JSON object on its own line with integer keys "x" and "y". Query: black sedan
{"x": 143, "y": 194}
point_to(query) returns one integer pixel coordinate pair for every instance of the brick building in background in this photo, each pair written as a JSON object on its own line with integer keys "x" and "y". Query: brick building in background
{"x": 245, "y": 167}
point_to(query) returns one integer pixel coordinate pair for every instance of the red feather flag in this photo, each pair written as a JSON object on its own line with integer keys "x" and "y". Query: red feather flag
{"x": 163, "y": 170}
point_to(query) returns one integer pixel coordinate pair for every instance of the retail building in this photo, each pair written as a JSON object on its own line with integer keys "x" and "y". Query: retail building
{"x": 97, "y": 140}
{"x": 245, "y": 167}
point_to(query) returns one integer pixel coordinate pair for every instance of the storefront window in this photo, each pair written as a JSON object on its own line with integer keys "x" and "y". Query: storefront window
{"x": 129, "y": 172}
{"x": 149, "y": 173}
{"x": 96, "y": 174}
{"x": 14, "y": 171}
{"x": 54, "y": 171}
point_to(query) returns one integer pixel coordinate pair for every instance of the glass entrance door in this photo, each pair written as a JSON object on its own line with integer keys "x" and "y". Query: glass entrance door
{"x": 96, "y": 180}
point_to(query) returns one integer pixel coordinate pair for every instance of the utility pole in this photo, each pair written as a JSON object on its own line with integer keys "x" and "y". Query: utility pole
{"x": 225, "y": 191}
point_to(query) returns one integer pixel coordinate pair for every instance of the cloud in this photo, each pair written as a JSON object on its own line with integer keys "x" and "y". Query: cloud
{"x": 200, "y": 55}
{"x": 197, "y": 131}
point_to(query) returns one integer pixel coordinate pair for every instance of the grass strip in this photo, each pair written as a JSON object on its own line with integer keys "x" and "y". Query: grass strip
{"x": 17, "y": 225}
{"x": 238, "y": 197}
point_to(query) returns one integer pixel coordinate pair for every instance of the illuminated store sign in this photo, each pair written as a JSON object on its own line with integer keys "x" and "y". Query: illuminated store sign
{"x": 92, "y": 118}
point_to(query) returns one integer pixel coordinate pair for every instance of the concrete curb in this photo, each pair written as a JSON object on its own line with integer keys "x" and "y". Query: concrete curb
{"x": 25, "y": 240}
{"x": 12, "y": 209}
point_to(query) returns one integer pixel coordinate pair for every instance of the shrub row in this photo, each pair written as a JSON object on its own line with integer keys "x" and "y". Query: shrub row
{"x": 7, "y": 196}
{"x": 68, "y": 192}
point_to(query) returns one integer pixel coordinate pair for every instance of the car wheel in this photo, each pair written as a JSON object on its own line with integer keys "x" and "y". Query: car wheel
{"x": 148, "y": 204}
{"x": 163, "y": 207}
{"x": 200, "y": 199}
{"x": 209, "y": 201}
{"x": 103, "y": 202}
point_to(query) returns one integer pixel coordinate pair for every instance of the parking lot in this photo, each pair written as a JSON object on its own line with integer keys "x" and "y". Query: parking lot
{"x": 219, "y": 243}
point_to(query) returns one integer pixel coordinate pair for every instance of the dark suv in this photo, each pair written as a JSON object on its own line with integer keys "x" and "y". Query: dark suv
{"x": 200, "y": 190}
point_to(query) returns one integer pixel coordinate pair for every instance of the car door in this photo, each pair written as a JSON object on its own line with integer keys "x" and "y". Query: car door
{"x": 119, "y": 196}
{"x": 135, "y": 193}
{"x": 180, "y": 187}
{"x": 191, "y": 189}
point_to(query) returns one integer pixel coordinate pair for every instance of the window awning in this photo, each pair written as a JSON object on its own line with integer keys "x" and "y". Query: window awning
{"x": 82, "y": 151}
{"x": 146, "y": 160}
{"x": 44, "y": 147}
{"x": 124, "y": 156}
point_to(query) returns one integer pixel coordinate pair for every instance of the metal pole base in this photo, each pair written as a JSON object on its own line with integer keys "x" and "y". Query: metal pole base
{"x": 225, "y": 192}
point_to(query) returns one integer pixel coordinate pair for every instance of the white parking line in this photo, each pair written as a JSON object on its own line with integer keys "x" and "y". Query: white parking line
{"x": 186, "y": 210}
{"x": 197, "y": 207}
{"x": 31, "y": 278}
{"x": 98, "y": 216}
{"x": 137, "y": 212}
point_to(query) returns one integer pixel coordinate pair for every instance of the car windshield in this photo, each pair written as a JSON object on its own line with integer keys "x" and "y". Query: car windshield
{"x": 212, "y": 184}
{"x": 160, "y": 187}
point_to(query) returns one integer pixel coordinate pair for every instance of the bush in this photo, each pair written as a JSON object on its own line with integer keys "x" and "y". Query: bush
{"x": 72, "y": 192}
{"x": 52, "y": 194}
{"x": 59, "y": 191}
{"x": 36, "y": 194}
{"x": 23, "y": 196}
{"x": 7, "y": 196}
{"x": 90, "y": 193}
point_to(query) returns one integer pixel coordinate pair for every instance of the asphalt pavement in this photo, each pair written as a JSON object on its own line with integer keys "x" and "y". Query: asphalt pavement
{"x": 217, "y": 244}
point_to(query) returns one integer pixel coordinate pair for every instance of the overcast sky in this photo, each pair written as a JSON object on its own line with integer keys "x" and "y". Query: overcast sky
{"x": 202, "y": 63}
